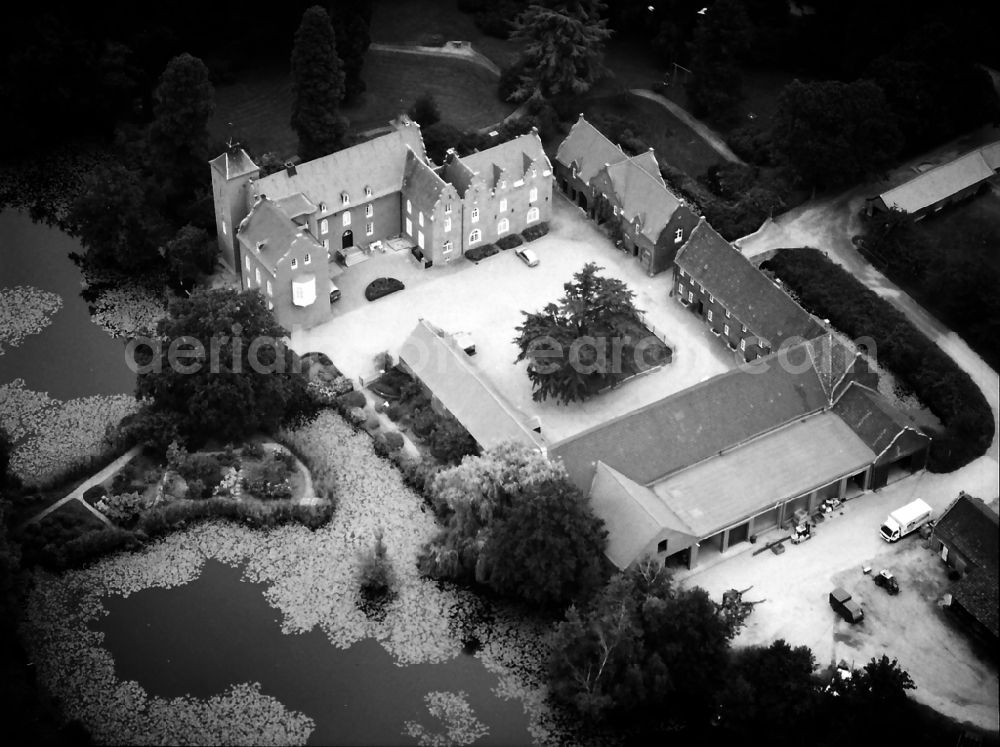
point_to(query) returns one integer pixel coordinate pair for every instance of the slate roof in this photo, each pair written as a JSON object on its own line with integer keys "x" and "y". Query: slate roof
{"x": 766, "y": 310}
{"x": 233, "y": 163}
{"x": 379, "y": 164}
{"x": 972, "y": 528}
{"x": 833, "y": 360}
{"x": 938, "y": 183}
{"x": 634, "y": 517}
{"x": 458, "y": 174}
{"x": 422, "y": 180}
{"x": 642, "y": 196}
{"x": 780, "y": 465}
{"x": 296, "y": 205}
{"x": 680, "y": 430}
{"x": 589, "y": 149}
{"x": 513, "y": 157}
{"x": 648, "y": 163}
{"x": 886, "y": 431}
{"x": 444, "y": 368}
{"x": 991, "y": 154}
{"x": 269, "y": 233}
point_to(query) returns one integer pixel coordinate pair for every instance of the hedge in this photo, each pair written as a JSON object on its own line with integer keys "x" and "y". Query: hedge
{"x": 509, "y": 242}
{"x": 382, "y": 287}
{"x": 535, "y": 232}
{"x": 479, "y": 253}
{"x": 829, "y": 291}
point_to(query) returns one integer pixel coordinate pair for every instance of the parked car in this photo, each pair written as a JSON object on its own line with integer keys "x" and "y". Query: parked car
{"x": 527, "y": 256}
{"x": 887, "y": 581}
{"x": 334, "y": 293}
{"x": 843, "y": 605}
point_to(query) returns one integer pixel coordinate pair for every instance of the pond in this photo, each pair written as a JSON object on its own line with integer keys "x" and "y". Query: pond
{"x": 71, "y": 357}
{"x": 199, "y": 638}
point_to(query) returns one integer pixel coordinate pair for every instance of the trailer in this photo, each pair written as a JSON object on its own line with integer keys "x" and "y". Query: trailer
{"x": 905, "y": 520}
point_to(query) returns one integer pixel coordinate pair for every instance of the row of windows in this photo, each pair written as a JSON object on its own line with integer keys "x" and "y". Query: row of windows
{"x": 503, "y": 226}
{"x": 345, "y": 199}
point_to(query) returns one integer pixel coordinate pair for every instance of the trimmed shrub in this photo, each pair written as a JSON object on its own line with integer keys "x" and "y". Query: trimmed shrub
{"x": 827, "y": 290}
{"x": 372, "y": 422}
{"x": 351, "y": 400}
{"x": 342, "y": 385}
{"x": 479, "y": 253}
{"x": 393, "y": 440}
{"x": 509, "y": 242}
{"x": 394, "y": 412}
{"x": 94, "y": 493}
{"x": 380, "y": 287}
{"x": 535, "y": 232}
{"x": 253, "y": 450}
{"x": 356, "y": 416}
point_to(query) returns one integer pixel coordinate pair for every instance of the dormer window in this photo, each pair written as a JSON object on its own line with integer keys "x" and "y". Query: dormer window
{"x": 447, "y": 208}
{"x": 368, "y": 191}
{"x": 345, "y": 198}
{"x": 503, "y": 184}
{"x": 534, "y": 173}
{"x": 295, "y": 263}
{"x": 678, "y": 235}
{"x": 322, "y": 207}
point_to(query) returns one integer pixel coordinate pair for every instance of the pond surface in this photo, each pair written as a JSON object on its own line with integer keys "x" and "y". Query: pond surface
{"x": 199, "y": 638}
{"x": 72, "y": 357}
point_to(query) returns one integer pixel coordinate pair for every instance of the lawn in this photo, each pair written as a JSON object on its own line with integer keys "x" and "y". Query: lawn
{"x": 674, "y": 142}
{"x": 258, "y": 107}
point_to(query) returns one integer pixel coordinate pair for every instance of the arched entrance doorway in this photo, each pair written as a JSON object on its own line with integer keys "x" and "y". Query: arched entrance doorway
{"x": 348, "y": 239}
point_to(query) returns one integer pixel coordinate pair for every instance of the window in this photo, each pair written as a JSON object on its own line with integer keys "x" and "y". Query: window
{"x": 326, "y": 244}
{"x": 369, "y": 228}
{"x": 728, "y": 314}
{"x": 447, "y": 224}
{"x": 475, "y": 215}
{"x": 709, "y": 315}
{"x": 322, "y": 207}
{"x": 344, "y": 199}
{"x": 246, "y": 261}
{"x": 743, "y": 344}
{"x": 678, "y": 235}
{"x": 743, "y": 328}
{"x": 503, "y": 206}
{"x": 409, "y": 227}
{"x": 690, "y": 297}
{"x": 420, "y": 239}
{"x": 304, "y": 291}
{"x": 257, "y": 276}
{"x": 295, "y": 263}
{"x": 420, "y": 218}
{"x": 347, "y": 218}
{"x": 225, "y": 231}
{"x": 534, "y": 172}
{"x": 447, "y": 208}
{"x": 680, "y": 290}
{"x": 270, "y": 289}
{"x": 532, "y": 214}
{"x": 725, "y": 329}
{"x": 446, "y": 247}
{"x": 368, "y": 191}
{"x": 503, "y": 226}
{"x": 409, "y": 206}
{"x": 683, "y": 274}
{"x": 614, "y": 209}
{"x": 661, "y": 546}
{"x": 324, "y": 226}
{"x": 475, "y": 236}
{"x": 270, "y": 306}
{"x": 502, "y": 185}
{"x": 711, "y": 298}
{"x": 519, "y": 183}
{"x": 307, "y": 259}
{"x": 369, "y": 210}
{"x": 532, "y": 194}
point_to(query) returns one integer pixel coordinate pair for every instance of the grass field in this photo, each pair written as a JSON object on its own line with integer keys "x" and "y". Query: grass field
{"x": 674, "y": 142}
{"x": 259, "y": 105}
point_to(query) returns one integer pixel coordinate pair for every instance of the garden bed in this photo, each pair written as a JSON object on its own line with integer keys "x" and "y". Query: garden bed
{"x": 380, "y": 287}
{"x": 509, "y": 242}
{"x": 535, "y": 232}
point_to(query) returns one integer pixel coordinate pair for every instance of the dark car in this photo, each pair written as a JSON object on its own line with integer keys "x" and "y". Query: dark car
{"x": 887, "y": 581}
{"x": 334, "y": 293}
{"x": 847, "y": 608}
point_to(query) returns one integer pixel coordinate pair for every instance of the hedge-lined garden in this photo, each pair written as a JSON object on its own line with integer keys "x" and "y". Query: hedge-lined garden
{"x": 829, "y": 291}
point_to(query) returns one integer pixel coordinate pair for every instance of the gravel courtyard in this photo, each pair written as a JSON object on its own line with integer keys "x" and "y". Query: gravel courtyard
{"x": 486, "y": 300}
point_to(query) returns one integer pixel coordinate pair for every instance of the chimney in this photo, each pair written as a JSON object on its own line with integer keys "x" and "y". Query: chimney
{"x": 290, "y": 168}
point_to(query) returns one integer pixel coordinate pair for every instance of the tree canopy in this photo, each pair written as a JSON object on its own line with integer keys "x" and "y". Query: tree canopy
{"x": 220, "y": 365}
{"x": 720, "y": 39}
{"x": 833, "y": 133}
{"x": 351, "y": 22}
{"x": 514, "y": 522}
{"x": 584, "y": 342}
{"x": 191, "y": 252}
{"x": 317, "y": 86}
{"x": 563, "y": 47}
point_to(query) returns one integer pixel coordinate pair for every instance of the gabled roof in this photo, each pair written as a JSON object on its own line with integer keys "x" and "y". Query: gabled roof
{"x": 634, "y": 517}
{"x": 512, "y": 158}
{"x": 422, "y": 180}
{"x": 971, "y": 527}
{"x": 766, "y": 310}
{"x": 446, "y": 370}
{"x": 886, "y": 431}
{"x": 457, "y": 173}
{"x": 589, "y": 149}
{"x": 938, "y": 183}
{"x": 269, "y": 233}
{"x": 379, "y": 164}
{"x": 778, "y": 466}
{"x": 648, "y": 163}
{"x": 642, "y": 196}
{"x": 234, "y": 163}
{"x": 295, "y": 205}
{"x": 833, "y": 360}
{"x": 680, "y": 430}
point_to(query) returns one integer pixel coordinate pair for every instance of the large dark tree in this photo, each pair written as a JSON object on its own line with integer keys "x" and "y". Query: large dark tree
{"x": 183, "y": 102}
{"x": 7, "y": 478}
{"x": 351, "y": 21}
{"x": 114, "y": 222}
{"x": 221, "y": 365}
{"x": 715, "y": 86}
{"x": 834, "y": 133}
{"x": 317, "y": 86}
{"x": 563, "y": 47}
{"x": 642, "y": 653}
{"x": 513, "y": 522}
{"x": 190, "y": 253}
{"x": 584, "y": 342}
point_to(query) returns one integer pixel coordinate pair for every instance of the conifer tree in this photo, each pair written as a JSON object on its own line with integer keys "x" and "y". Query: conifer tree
{"x": 317, "y": 86}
